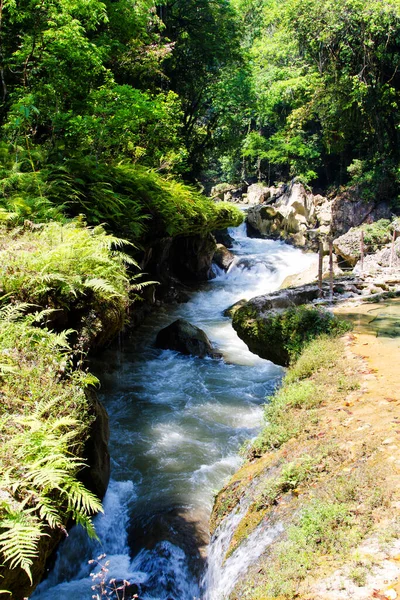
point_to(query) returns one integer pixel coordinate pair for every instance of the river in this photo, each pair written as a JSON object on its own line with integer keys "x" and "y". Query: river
{"x": 177, "y": 424}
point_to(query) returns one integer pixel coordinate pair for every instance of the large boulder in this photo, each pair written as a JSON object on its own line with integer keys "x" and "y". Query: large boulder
{"x": 348, "y": 210}
{"x": 384, "y": 259}
{"x": 257, "y": 193}
{"x": 222, "y": 236}
{"x": 186, "y": 338}
{"x": 187, "y": 259}
{"x": 288, "y": 212}
{"x": 323, "y": 211}
{"x": 276, "y": 326}
{"x": 375, "y": 236}
{"x": 348, "y": 246}
{"x": 223, "y": 257}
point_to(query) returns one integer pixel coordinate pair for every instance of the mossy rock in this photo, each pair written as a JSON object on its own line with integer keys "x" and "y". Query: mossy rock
{"x": 280, "y": 334}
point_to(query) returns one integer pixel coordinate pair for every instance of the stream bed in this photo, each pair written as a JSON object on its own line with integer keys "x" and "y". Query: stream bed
{"x": 177, "y": 423}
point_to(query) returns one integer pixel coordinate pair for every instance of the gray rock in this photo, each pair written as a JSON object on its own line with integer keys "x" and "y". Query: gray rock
{"x": 348, "y": 211}
{"x": 258, "y": 193}
{"x": 186, "y": 338}
{"x": 380, "y": 260}
{"x": 348, "y": 246}
{"x": 223, "y": 257}
{"x": 287, "y": 213}
{"x": 222, "y": 236}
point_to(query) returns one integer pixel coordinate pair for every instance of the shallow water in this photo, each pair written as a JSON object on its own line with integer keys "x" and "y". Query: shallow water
{"x": 381, "y": 319}
{"x": 177, "y": 423}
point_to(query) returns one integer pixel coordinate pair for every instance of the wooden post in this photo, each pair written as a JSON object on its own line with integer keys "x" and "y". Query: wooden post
{"x": 320, "y": 267}
{"x": 330, "y": 271}
{"x": 392, "y": 249}
{"x": 362, "y": 250}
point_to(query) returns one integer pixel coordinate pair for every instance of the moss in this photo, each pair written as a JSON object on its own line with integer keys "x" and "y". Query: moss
{"x": 247, "y": 525}
{"x": 280, "y": 336}
{"x": 225, "y": 502}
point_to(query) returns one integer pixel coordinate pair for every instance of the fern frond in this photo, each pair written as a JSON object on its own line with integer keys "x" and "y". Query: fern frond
{"x": 14, "y": 312}
{"x": 101, "y": 285}
{"x": 4, "y": 369}
{"x": 81, "y": 500}
{"x": 49, "y": 512}
{"x": 18, "y": 541}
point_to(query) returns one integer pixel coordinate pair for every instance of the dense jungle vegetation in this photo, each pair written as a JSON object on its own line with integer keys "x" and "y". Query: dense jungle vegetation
{"x": 115, "y": 115}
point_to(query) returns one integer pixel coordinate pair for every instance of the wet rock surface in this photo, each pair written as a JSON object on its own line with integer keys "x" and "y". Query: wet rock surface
{"x": 223, "y": 257}
{"x": 348, "y": 210}
{"x": 186, "y": 338}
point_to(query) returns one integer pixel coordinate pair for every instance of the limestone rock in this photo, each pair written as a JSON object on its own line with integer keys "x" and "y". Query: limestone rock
{"x": 287, "y": 213}
{"x": 223, "y": 257}
{"x": 347, "y": 246}
{"x": 323, "y": 211}
{"x": 97, "y": 474}
{"x": 348, "y": 211}
{"x": 222, "y": 236}
{"x": 186, "y": 338}
{"x": 374, "y": 263}
{"x": 257, "y": 193}
{"x": 188, "y": 259}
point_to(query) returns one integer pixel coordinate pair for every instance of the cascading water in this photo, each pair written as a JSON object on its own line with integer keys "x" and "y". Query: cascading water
{"x": 177, "y": 423}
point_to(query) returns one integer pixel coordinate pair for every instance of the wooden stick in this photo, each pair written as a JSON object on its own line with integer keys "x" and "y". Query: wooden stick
{"x": 320, "y": 267}
{"x": 330, "y": 271}
{"x": 392, "y": 250}
{"x": 362, "y": 249}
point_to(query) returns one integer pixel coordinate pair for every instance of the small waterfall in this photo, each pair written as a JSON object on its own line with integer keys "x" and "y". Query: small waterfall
{"x": 177, "y": 423}
{"x": 222, "y": 575}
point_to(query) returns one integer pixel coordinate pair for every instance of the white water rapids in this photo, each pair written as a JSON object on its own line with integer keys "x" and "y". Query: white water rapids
{"x": 177, "y": 423}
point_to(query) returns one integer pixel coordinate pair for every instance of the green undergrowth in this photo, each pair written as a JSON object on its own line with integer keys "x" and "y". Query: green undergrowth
{"x": 324, "y": 533}
{"x": 44, "y": 419}
{"x": 378, "y": 233}
{"x": 306, "y": 385}
{"x": 281, "y": 336}
{"x": 305, "y": 473}
{"x": 79, "y": 271}
{"x": 134, "y": 201}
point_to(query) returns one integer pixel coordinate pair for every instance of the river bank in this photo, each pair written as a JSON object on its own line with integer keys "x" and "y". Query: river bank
{"x": 329, "y": 491}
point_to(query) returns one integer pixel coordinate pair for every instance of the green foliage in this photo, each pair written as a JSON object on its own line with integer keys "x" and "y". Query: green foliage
{"x": 292, "y": 475}
{"x": 326, "y": 87}
{"x": 56, "y": 264}
{"x": 132, "y": 199}
{"x": 303, "y": 389}
{"x": 332, "y": 525}
{"x": 301, "y": 324}
{"x": 378, "y": 233}
{"x": 321, "y": 353}
{"x": 40, "y": 439}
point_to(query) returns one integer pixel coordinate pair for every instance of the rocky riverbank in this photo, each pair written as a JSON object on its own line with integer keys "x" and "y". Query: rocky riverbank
{"x": 323, "y": 475}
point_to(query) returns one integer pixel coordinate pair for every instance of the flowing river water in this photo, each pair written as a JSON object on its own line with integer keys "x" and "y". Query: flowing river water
{"x": 177, "y": 423}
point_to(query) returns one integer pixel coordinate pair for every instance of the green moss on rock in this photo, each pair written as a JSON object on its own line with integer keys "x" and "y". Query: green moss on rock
{"x": 280, "y": 335}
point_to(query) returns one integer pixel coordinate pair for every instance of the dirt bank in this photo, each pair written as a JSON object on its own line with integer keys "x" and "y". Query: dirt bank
{"x": 327, "y": 468}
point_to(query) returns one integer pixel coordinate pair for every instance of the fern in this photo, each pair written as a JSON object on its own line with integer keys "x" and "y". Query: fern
{"x": 19, "y": 537}
{"x": 42, "y": 439}
{"x": 101, "y": 285}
